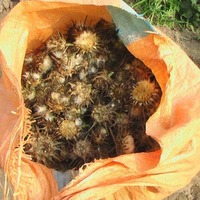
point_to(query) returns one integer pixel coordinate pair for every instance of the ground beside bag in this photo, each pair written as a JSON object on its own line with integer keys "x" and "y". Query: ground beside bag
{"x": 175, "y": 125}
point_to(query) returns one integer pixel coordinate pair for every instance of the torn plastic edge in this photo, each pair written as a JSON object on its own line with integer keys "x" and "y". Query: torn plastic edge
{"x": 123, "y": 17}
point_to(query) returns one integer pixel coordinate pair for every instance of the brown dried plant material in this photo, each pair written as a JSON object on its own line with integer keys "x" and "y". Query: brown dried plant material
{"x": 83, "y": 98}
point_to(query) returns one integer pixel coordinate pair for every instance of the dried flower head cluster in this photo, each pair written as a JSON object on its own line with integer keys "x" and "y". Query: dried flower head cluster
{"x": 89, "y": 97}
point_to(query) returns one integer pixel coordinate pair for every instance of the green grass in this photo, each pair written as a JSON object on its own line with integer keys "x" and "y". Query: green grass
{"x": 184, "y": 14}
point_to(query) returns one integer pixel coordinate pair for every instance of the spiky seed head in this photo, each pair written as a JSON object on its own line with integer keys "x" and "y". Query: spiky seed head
{"x": 34, "y": 79}
{"x": 65, "y": 100}
{"x": 103, "y": 113}
{"x": 87, "y": 42}
{"x": 118, "y": 91}
{"x": 143, "y": 93}
{"x": 82, "y": 148}
{"x": 36, "y": 76}
{"x": 103, "y": 79}
{"x": 29, "y": 93}
{"x": 68, "y": 129}
{"x": 56, "y": 78}
{"x": 26, "y": 75}
{"x": 44, "y": 149}
{"x": 83, "y": 75}
{"x": 72, "y": 64}
{"x": 49, "y": 116}
{"x": 122, "y": 75}
{"x": 29, "y": 58}
{"x": 57, "y": 56}
{"x": 46, "y": 64}
{"x": 57, "y": 43}
{"x": 122, "y": 119}
{"x": 92, "y": 70}
{"x": 81, "y": 93}
{"x": 78, "y": 122}
{"x": 55, "y": 96}
{"x": 42, "y": 109}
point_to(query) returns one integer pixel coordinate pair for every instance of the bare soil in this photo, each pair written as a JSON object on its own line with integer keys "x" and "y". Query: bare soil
{"x": 187, "y": 40}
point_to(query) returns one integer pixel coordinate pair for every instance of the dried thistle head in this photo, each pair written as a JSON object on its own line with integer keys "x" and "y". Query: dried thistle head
{"x": 144, "y": 93}
{"x": 122, "y": 119}
{"x": 57, "y": 101}
{"x": 68, "y": 129}
{"x": 118, "y": 91}
{"x": 87, "y": 42}
{"x": 32, "y": 79}
{"x": 73, "y": 112}
{"x": 81, "y": 93}
{"x": 74, "y": 29}
{"x": 29, "y": 94}
{"x": 82, "y": 148}
{"x": 102, "y": 79}
{"x": 103, "y": 113}
{"x": 29, "y": 58}
{"x": 121, "y": 75}
{"x": 46, "y": 64}
{"x": 42, "y": 62}
{"x": 72, "y": 64}
{"x": 56, "y": 78}
{"x": 85, "y": 38}
{"x": 44, "y": 148}
{"x": 57, "y": 43}
{"x": 41, "y": 109}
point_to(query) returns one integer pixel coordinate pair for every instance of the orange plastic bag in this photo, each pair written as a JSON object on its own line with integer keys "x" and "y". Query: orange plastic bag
{"x": 175, "y": 125}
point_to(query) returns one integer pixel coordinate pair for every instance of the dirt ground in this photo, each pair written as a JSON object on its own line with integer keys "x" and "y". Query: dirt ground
{"x": 188, "y": 42}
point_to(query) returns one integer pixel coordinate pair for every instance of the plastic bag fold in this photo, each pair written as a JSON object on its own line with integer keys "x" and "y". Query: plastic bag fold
{"x": 175, "y": 125}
